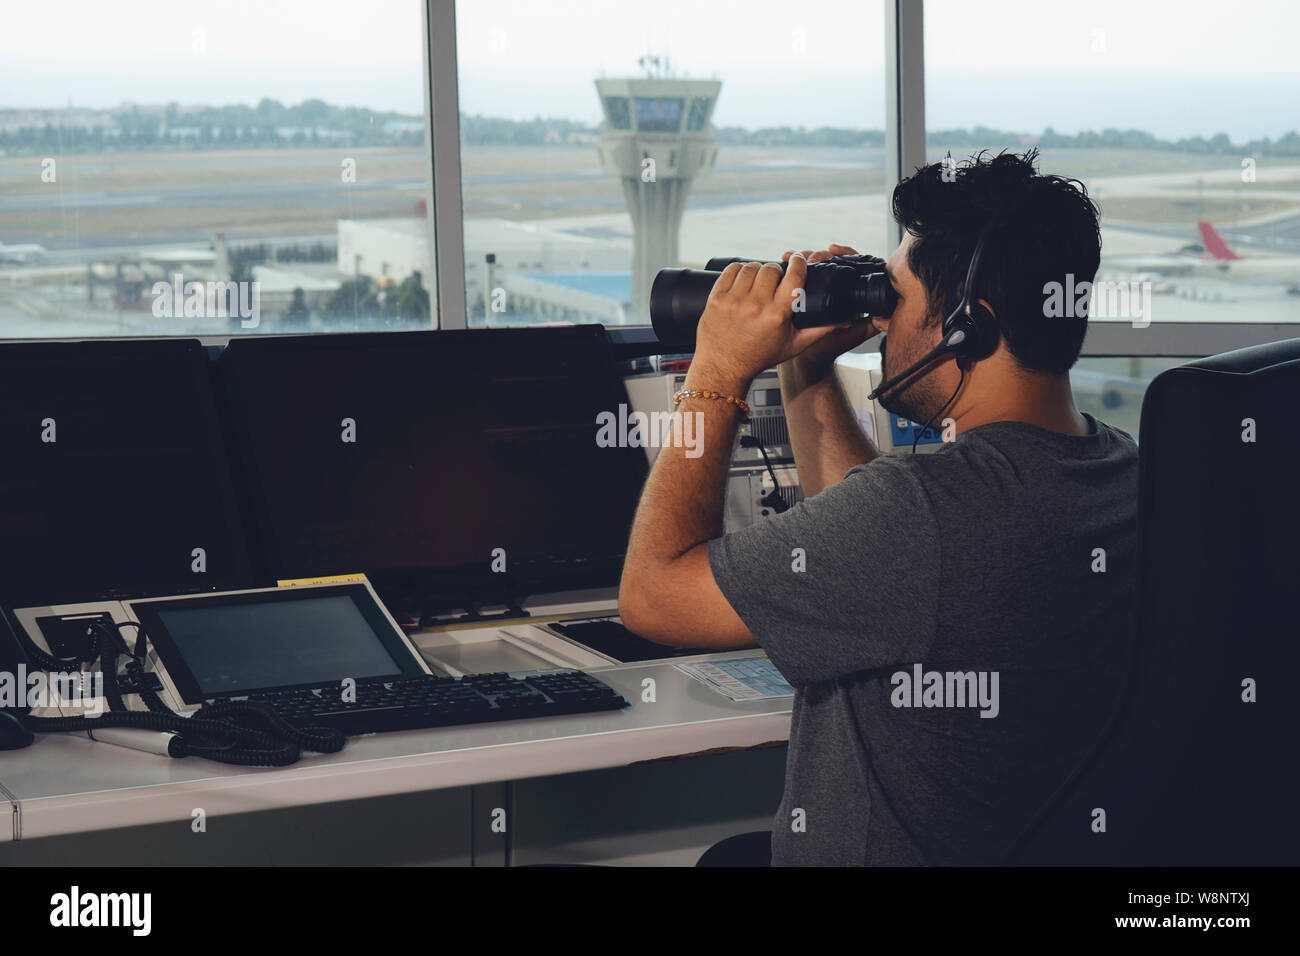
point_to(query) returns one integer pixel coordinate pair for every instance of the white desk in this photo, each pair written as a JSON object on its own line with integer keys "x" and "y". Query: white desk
{"x": 66, "y": 784}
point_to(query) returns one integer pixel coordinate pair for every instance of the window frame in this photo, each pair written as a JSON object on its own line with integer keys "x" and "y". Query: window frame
{"x": 442, "y": 144}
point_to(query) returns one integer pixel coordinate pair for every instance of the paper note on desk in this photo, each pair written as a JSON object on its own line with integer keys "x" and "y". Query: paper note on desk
{"x": 750, "y": 678}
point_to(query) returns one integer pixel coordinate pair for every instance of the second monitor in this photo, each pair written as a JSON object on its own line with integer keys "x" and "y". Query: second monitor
{"x": 472, "y": 450}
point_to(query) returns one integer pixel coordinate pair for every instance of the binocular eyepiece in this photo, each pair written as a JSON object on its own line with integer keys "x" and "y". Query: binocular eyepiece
{"x": 836, "y": 290}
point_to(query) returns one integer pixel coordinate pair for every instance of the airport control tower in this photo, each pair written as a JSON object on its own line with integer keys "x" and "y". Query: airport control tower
{"x": 657, "y": 140}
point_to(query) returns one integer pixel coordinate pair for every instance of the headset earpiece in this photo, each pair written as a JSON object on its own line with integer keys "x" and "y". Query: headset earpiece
{"x": 981, "y": 333}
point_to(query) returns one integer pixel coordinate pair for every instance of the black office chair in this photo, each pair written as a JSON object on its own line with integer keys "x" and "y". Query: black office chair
{"x": 753, "y": 849}
{"x": 1193, "y": 773}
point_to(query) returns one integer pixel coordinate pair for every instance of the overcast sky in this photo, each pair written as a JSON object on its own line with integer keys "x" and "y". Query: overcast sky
{"x": 1195, "y": 66}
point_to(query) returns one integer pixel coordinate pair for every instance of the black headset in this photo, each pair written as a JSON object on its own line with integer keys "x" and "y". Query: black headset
{"x": 970, "y": 332}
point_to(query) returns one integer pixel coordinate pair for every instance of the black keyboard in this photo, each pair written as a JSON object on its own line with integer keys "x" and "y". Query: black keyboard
{"x": 413, "y": 703}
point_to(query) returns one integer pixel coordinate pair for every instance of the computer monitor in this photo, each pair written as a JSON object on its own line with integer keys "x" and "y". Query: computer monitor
{"x": 114, "y": 479}
{"x": 395, "y": 451}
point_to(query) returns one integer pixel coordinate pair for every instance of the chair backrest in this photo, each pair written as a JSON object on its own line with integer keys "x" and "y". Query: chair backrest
{"x": 1201, "y": 767}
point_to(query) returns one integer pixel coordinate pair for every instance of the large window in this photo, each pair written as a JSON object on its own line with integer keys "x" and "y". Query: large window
{"x": 602, "y": 141}
{"x": 167, "y": 166}
{"x": 1180, "y": 119}
{"x": 171, "y": 167}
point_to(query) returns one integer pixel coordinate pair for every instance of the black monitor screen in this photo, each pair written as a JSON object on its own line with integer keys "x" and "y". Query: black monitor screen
{"x": 114, "y": 479}
{"x": 389, "y": 451}
{"x": 236, "y": 644}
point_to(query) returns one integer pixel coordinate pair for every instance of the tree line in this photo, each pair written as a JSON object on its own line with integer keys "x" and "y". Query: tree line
{"x": 315, "y": 123}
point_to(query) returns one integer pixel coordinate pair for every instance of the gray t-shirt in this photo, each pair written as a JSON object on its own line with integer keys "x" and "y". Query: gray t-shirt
{"x": 995, "y": 576}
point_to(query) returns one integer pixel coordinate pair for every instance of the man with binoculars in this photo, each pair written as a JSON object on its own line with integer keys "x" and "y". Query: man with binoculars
{"x": 905, "y": 590}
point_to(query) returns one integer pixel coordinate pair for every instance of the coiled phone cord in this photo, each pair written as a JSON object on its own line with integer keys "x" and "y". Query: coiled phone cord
{"x": 242, "y": 733}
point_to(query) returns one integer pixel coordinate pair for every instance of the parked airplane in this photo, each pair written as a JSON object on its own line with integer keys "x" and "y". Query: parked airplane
{"x": 20, "y": 254}
{"x": 1215, "y": 258}
{"x": 1223, "y": 260}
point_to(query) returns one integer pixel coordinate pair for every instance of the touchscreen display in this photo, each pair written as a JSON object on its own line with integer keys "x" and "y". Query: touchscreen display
{"x": 235, "y": 648}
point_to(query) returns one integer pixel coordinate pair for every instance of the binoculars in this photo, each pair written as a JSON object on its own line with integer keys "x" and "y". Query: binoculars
{"x": 840, "y": 289}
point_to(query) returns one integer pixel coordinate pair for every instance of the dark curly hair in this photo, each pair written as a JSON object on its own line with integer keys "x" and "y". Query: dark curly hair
{"x": 1042, "y": 228}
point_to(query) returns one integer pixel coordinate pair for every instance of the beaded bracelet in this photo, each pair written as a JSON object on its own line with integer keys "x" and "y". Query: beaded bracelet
{"x": 706, "y": 393}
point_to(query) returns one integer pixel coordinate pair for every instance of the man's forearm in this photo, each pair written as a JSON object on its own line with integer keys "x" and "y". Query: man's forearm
{"x": 682, "y": 503}
{"x": 824, "y": 432}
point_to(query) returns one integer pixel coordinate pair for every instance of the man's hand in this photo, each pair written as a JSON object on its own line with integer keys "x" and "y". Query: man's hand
{"x": 824, "y": 433}
{"x": 818, "y": 361}
{"x": 746, "y": 325}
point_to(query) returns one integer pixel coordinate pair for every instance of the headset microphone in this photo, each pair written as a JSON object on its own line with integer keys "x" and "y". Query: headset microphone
{"x": 949, "y": 344}
{"x": 970, "y": 332}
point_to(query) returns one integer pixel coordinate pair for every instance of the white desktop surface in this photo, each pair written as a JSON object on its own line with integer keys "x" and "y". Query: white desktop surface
{"x": 66, "y": 784}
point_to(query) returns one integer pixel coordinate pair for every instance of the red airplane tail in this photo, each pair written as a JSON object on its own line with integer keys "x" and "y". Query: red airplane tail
{"x": 1214, "y": 244}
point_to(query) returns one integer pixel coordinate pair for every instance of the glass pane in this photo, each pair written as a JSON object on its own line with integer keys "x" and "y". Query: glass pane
{"x": 604, "y": 140}
{"x": 660, "y": 114}
{"x": 170, "y": 167}
{"x": 1112, "y": 389}
{"x": 1182, "y": 122}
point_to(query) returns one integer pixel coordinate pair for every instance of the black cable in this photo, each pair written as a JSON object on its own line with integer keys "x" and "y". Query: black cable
{"x": 48, "y": 662}
{"x": 111, "y": 647}
{"x": 135, "y": 666}
{"x": 243, "y": 733}
{"x": 773, "y": 500}
{"x": 961, "y": 381}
